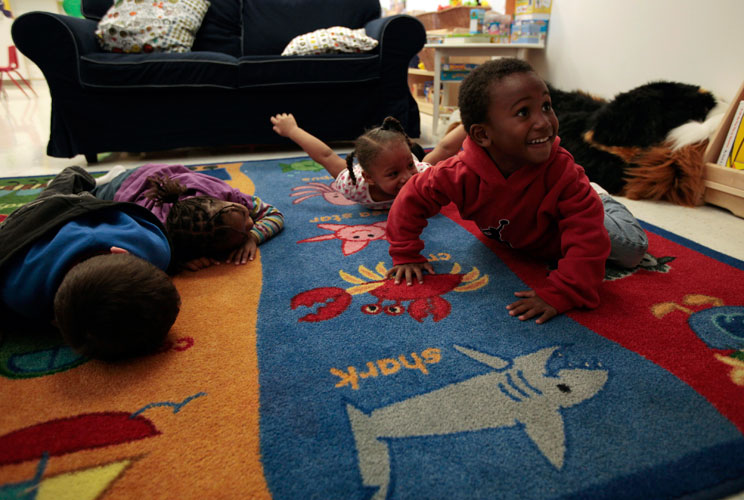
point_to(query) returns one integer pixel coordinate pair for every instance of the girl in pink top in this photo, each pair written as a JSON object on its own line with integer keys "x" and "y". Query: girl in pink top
{"x": 384, "y": 155}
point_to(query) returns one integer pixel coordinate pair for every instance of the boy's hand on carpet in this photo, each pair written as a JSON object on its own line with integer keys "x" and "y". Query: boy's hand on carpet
{"x": 409, "y": 271}
{"x": 530, "y": 306}
{"x": 244, "y": 253}
{"x": 200, "y": 263}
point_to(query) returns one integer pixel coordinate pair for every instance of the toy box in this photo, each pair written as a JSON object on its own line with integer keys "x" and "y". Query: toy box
{"x": 724, "y": 186}
{"x": 476, "y": 21}
{"x": 532, "y": 9}
{"x": 455, "y": 17}
{"x": 498, "y": 26}
{"x": 529, "y": 31}
{"x": 447, "y": 18}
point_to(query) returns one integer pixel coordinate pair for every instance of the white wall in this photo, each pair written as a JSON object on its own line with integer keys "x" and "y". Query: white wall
{"x": 607, "y": 47}
{"x": 18, "y": 7}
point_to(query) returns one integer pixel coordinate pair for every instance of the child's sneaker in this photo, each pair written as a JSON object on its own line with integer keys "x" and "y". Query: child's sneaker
{"x": 599, "y": 189}
{"x": 109, "y": 176}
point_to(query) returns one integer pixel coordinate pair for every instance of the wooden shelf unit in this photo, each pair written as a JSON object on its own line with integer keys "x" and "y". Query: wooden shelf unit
{"x": 724, "y": 186}
{"x": 442, "y": 54}
{"x": 417, "y": 76}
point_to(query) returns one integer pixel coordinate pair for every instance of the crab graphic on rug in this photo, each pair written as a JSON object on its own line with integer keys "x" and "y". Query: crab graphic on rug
{"x": 425, "y": 299}
{"x": 516, "y": 393}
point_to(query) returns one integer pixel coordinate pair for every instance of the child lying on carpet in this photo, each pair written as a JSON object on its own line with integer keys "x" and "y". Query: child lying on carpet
{"x": 206, "y": 218}
{"x": 521, "y": 188}
{"x": 386, "y": 159}
{"x": 93, "y": 268}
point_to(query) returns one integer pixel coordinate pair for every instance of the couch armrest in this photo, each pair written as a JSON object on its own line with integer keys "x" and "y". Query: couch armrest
{"x": 400, "y": 36}
{"x": 55, "y": 43}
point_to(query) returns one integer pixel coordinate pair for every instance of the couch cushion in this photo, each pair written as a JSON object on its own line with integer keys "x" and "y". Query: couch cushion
{"x": 192, "y": 69}
{"x": 222, "y": 28}
{"x": 269, "y": 25}
{"x": 134, "y": 26}
{"x": 255, "y": 71}
{"x": 220, "y": 31}
{"x": 330, "y": 41}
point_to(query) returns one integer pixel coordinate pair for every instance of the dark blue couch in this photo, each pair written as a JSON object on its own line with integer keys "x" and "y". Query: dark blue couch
{"x": 223, "y": 91}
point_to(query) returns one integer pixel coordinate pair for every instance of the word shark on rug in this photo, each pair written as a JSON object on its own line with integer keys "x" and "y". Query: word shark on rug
{"x": 516, "y": 393}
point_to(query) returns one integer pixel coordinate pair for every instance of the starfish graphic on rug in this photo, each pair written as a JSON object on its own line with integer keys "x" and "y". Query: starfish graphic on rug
{"x": 353, "y": 238}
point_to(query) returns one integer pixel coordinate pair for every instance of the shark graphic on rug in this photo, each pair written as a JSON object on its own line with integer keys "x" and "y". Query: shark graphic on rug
{"x": 516, "y": 393}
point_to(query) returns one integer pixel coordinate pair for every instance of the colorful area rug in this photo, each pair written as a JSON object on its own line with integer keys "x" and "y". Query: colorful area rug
{"x": 305, "y": 374}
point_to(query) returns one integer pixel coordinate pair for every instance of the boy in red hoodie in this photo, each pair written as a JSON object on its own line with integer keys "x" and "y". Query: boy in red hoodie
{"x": 521, "y": 188}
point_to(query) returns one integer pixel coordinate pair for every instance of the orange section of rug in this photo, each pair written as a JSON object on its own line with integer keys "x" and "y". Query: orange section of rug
{"x": 200, "y": 397}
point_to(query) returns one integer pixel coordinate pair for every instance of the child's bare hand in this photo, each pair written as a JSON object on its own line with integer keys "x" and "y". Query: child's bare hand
{"x": 284, "y": 124}
{"x": 409, "y": 271}
{"x": 530, "y": 306}
{"x": 200, "y": 263}
{"x": 244, "y": 253}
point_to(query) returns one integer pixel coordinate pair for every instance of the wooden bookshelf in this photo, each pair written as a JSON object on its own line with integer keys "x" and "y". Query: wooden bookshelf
{"x": 449, "y": 97}
{"x": 424, "y": 105}
{"x": 442, "y": 53}
{"x": 724, "y": 186}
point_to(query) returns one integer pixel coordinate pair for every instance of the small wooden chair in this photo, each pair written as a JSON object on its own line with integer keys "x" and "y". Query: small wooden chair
{"x": 11, "y": 68}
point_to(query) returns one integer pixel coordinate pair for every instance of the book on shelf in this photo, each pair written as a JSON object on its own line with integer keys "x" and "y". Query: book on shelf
{"x": 456, "y": 71}
{"x": 732, "y": 153}
{"x": 457, "y": 38}
{"x": 736, "y": 158}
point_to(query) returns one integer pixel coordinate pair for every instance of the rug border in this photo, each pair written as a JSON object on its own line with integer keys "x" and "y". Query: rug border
{"x": 709, "y": 252}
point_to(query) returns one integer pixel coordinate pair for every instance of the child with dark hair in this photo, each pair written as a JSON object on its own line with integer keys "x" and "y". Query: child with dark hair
{"x": 386, "y": 159}
{"x": 135, "y": 303}
{"x": 521, "y": 188}
{"x": 207, "y": 220}
{"x": 94, "y": 268}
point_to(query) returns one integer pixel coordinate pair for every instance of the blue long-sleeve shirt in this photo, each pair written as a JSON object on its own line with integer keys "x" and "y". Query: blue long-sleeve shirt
{"x": 33, "y": 277}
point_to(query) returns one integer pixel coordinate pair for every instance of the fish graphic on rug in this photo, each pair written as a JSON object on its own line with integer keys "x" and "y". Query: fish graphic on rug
{"x": 516, "y": 393}
{"x": 301, "y": 166}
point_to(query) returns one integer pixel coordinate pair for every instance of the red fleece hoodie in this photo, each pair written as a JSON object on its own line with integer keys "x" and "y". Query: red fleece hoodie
{"x": 550, "y": 211}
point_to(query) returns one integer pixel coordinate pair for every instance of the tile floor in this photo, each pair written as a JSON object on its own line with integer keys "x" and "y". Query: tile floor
{"x": 24, "y": 131}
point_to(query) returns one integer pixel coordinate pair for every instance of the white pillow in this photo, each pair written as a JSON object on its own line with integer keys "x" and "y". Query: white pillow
{"x": 330, "y": 40}
{"x": 151, "y": 26}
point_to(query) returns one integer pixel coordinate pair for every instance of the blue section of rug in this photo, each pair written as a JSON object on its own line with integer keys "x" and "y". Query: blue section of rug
{"x": 374, "y": 391}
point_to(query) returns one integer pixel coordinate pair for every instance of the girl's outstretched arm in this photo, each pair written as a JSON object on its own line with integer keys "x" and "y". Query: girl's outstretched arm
{"x": 285, "y": 125}
{"x": 449, "y": 145}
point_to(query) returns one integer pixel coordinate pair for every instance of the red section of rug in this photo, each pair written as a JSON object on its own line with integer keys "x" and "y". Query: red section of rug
{"x": 648, "y": 313}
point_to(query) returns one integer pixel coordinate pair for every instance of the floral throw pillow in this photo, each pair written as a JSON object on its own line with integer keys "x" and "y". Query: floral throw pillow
{"x": 328, "y": 40}
{"x": 151, "y": 25}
